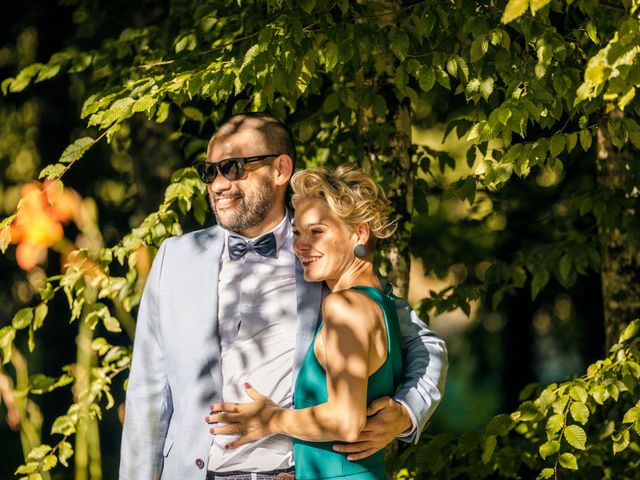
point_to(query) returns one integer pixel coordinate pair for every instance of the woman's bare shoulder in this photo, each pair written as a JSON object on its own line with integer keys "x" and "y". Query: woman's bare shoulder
{"x": 346, "y": 306}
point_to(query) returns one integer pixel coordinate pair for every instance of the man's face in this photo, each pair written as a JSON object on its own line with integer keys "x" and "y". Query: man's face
{"x": 242, "y": 205}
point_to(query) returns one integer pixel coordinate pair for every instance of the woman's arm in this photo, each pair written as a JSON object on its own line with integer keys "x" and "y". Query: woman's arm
{"x": 350, "y": 320}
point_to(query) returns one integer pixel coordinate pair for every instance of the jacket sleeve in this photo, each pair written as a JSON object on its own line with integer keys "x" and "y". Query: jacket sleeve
{"x": 148, "y": 401}
{"x": 425, "y": 369}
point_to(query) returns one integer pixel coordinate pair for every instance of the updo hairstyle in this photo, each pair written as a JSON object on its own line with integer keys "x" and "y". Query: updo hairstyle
{"x": 352, "y": 195}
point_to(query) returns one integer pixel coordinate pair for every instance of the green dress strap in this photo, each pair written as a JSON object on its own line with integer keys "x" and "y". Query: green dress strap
{"x": 317, "y": 460}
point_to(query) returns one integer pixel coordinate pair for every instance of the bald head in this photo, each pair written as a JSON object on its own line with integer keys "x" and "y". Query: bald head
{"x": 271, "y": 133}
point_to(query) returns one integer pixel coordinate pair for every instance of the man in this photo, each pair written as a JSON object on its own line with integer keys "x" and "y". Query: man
{"x": 228, "y": 305}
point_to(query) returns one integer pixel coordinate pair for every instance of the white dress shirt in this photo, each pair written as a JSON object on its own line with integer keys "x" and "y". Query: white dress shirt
{"x": 257, "y": 324}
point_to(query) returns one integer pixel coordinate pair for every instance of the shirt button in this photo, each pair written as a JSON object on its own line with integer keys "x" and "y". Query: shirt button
{"x": 199, "y": 463}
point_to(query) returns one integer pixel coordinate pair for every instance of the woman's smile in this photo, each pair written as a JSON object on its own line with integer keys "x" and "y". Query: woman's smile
{"x": 306, "y": 261}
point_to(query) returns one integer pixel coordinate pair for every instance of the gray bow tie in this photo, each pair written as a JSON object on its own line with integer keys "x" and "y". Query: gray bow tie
{"x": 265, "y": 246}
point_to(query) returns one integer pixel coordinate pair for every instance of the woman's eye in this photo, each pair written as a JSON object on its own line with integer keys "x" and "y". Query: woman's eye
{"x": 316, "y": 231}
{"x": 296, "y": 233}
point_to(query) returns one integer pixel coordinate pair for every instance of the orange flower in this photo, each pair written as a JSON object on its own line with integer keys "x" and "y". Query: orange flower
{"x": 38, "y": 223}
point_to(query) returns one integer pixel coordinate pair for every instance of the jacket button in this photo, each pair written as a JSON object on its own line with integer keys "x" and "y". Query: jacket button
{"x": 199, "y": 463}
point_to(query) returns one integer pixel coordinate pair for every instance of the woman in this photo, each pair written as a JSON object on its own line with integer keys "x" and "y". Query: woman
{"x": 355, "y": 356}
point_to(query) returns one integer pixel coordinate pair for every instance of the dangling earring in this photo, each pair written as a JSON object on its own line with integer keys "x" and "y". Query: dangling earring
{"x": 360, "y": 250}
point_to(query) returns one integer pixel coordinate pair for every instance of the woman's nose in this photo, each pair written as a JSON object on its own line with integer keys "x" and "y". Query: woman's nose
{"x": 300, "y": 245}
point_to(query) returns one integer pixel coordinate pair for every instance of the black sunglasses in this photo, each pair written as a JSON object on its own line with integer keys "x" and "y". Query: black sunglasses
{"x": 230, "y": 168}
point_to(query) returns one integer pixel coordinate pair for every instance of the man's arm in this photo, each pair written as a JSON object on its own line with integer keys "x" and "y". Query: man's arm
{"x": 148, "y": 405}
{"x": 405, "y": 415}
{"x": 425, "y": 369}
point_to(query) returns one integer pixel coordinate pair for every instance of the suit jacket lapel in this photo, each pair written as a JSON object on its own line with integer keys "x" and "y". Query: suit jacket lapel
{"x": 214, "y": 241}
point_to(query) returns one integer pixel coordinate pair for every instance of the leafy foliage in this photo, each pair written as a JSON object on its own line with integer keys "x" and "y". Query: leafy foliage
{"x": 589, "y": 425}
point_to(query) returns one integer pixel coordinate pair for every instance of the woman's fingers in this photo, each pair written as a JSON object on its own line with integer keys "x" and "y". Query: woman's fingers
{"x": 227, "y": 429}
{"x": 241, "y": 441}
{"x": 233, "y": 407}
{"x": 222, "y": 418}
{"x": 252, "y": 392}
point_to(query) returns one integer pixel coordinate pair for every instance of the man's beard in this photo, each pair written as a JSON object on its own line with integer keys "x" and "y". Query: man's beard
{"x": 251, "y": 210}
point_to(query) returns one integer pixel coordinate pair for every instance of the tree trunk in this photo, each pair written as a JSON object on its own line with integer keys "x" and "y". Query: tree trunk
{"x": 400, "y": 195}
{"x": 620, "y": 269}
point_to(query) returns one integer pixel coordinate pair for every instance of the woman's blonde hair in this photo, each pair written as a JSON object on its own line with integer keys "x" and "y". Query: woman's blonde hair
{"x": 350, "y": 193}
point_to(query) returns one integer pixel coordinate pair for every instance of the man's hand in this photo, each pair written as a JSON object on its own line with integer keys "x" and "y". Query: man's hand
{"x": 386, "y": 419}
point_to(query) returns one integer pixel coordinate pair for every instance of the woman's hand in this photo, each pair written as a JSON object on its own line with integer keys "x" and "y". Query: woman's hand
{"x": 252, "y": 421}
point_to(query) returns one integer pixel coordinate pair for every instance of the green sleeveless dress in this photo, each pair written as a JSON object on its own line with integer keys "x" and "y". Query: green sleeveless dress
{"x": 316, "y": 460}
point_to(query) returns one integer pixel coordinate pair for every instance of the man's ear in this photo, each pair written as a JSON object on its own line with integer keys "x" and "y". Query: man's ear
{"x": 283, "y": 169}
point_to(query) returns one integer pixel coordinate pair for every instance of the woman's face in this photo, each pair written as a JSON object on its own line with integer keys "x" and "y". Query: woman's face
{"x": 323, "y": 243}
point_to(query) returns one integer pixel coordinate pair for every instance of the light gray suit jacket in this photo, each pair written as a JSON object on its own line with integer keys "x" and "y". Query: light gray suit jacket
{"x": 175, "y": 373}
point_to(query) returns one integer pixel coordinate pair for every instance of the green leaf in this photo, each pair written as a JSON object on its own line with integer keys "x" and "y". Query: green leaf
{"x": 426, "y": 76}
{"x": 632, "y": 415}
{"x": 575, "y": 436}
{"x": 144, "y": 104}
{"x": 50, "y": 461}
{"x": 65, "y": 450}
{"x": 556, "y": 144}
{"x": 486, "y": 87}
{"x": 546, "y": 473}
{"x": 527, "y": 411}
{"x": 307, "y": 5}
{"x": 5, "y": 237}
{"x": 40, "y": 314}
{"x": 52, "y": 171}
{"x": 479, "y": 48}
{"x": 568, "y": 461}
{"x": 25, "y": 76}
{"x": 452, "y": 66}
{"x": 572, "y": 140}
{"x": 538, "y": 5}
{"x": 600, "y": 394}
{"x": 23, "y": 318}
{"x": 630, "y": 331}
{"x": 579, "y": 412}
{"x": 585, "y": 139}
{"x": 38, "y": 452}
{"x": 564, "y": 268}
{"x": 400, "y": 43}
{"x": 504, "y": 114}
{"x": 540, "y": 279}
{"x": 555, "y": 423}
{"x": 76, "y": 150}
{"x": 620, "y": 442}
{"x": 193, "y": 113}
{"x": 489, "y": 447}
{"x": 39, "y": 383}
{"x": 331, "y": 103}
{"x": 514, "y": 9}
{"x": 188, "y": 42}
{"x": 592, "y": 31}
{"x": 500, "y": 424}
{"x": 331, "y": 56}
{"x": 549, "y": 448}
{"x": 27, "y": 468}
{"x": 442, "y": 78}
{"x": 578, "y": 393}
{"x": 63, "y": 425}
{"x": 7, "y": 335}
